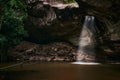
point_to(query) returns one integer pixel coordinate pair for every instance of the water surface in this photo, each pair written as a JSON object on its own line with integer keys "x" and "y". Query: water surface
{"x": 62, "y": 71}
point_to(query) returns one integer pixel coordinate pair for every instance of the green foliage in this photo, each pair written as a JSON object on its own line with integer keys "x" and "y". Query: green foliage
{"x": 69, "y": 1}
{"x": 12, "y": 27}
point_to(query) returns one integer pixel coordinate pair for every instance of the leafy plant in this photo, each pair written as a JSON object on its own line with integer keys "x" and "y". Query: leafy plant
{"x": 12, "y": 27}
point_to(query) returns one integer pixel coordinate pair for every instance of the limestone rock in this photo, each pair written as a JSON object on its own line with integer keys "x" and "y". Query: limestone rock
{"x": 106, "y": 12}
{"x": 49, "y": 23}
{"x": 52, "y": 52}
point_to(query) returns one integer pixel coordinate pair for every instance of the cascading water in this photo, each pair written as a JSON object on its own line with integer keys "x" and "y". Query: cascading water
{"x": 86, "y": 52}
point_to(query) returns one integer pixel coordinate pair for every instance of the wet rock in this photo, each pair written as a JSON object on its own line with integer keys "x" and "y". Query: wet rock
{"x": 98, "y": 3}
{"x": 57, "y": 51}
{"x": 49, "y": 23}
{"x": 46, "y": 24}
{"x": 106, "y": 12}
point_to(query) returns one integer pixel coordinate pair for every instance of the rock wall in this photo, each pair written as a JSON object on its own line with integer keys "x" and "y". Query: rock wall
{"x": 107, "y": 12}
{"x": 46, "y": 23}
{"x": 52, "y": 52}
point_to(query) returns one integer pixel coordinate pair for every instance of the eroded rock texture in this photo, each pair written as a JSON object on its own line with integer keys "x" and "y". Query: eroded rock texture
{"x": 52, "y": 52}
{"x": 53, "y": 24}
{"x": 47, "y": 23}
{"x": 106, "y": 12}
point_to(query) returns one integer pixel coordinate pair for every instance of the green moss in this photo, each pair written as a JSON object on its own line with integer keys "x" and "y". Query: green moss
{"x": 69, "y": 1}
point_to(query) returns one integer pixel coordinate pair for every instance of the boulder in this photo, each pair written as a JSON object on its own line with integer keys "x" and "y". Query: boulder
{"x": 52, "y": 52}
{"x": 106, "y": 12}
{"x": 46, "y": 23}
{"x": 49, "y": 23}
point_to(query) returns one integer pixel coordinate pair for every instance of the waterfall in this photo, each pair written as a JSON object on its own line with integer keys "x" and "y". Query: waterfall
{"x": 86, "y": 50}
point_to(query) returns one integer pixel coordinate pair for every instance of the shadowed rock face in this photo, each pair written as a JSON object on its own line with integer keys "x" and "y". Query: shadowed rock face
{"x": 57, "y": 51}
{"x": 46, "y": 23}
{"x": 98, "y": 3}
{"x": 106, "y": 11}
{"x": 53, "y": 24}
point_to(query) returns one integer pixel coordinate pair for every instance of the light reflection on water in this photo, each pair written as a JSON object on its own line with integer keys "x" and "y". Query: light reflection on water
{"x": 63, "y": 71}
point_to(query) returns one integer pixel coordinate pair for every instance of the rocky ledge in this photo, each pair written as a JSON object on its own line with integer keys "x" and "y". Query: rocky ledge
{"x": 57, "y": 51}
{"x": 57, "y": 30}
